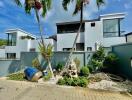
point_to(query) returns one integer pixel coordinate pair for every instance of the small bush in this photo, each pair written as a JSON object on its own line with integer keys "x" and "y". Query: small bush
{"x": 75, "y": 82}
{"x": 59, "y": 66}
{"x": 110, "y": 60}
{"x": 61, "y": 82}
{"x": 83, "y": 82}
{"x": 68, "y": 81}
{"x": 36, "y": 64}
{"x": 84, "y": 71}
{"x": 47, "y": 77}
{"x": 16, "y": 76}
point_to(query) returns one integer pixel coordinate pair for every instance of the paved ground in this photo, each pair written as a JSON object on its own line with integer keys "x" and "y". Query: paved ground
{"x": 12, "y": 90}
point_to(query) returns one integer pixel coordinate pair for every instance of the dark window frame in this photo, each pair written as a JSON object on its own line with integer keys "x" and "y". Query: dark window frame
{"x": 119, "y": 28}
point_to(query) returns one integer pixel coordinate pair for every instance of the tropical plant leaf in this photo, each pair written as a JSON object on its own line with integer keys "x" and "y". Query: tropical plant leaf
{"x": 18, "y": 2}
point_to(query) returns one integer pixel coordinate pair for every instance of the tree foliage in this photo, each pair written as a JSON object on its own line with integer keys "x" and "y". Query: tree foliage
{"x": 3, "y": 42}
{"x": 78, "y": 4}
{"x": 36, "y": 4}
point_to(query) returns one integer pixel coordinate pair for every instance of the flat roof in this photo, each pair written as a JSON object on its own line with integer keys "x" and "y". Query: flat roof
{"x": 76, "y": 22}
{"x": 11, "y": 31}
{"x": 128, "y": 34}
{"x": 97, "y": 19}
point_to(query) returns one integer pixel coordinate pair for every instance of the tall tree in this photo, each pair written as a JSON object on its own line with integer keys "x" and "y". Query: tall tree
{"x": 78, "y": 8}
{"x": 36, "y": 5}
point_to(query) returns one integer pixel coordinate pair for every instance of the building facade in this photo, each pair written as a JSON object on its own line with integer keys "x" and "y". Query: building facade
{"x": 21, "y": 41}
{"x": 105, "y": 31}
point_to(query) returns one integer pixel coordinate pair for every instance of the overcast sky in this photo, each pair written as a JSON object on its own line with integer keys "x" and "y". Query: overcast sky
{"x": 12, "y": 16}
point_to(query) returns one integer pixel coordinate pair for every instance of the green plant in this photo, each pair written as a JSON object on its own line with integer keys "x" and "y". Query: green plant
{"x": 99, "y": 54}
{"x": 16, "y": 76}
{"x": 97, "y": 59}
{"x": 46, "y": 52}
{"x": 110, "y": 60}
{"x": 84, "y": 71}
{"x": 48, "y": 76}
{"x": 61, "y": 82}
{"x": 75, "y": 82}
{"x": 59, "y": 66}
{"x": 97, "y": 64}
{"x": 68, "y": 81}
{"x": 83, "y": 82}
{"x": 36, "y": 64}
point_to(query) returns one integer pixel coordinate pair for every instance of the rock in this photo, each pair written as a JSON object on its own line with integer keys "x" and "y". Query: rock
{"x": 72, "y": 69}
{"x": 99, "y": 76}
{"x": 105, "y": 85}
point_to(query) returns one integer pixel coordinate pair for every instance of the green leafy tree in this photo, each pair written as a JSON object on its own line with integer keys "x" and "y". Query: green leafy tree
{"x": 78, "y": 8}
{"x": 3, "y": 42}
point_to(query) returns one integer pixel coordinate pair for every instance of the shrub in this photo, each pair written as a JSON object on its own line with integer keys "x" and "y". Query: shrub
{"x": 48, "y": 76}
{"x": 97, "y": 59}
{"x": 61, "y": 82}
{"x": 83, "y": 82}
{"x": 84, "y": 71}
{"x": 75, "y": 82}
{"x": 99, "y": 54}
{"x": 97, "y": 64}
{"x": 16, "y": 76}
{"x": 79, "y": 81}
{"x": 59, "y": 66}
{"x": 68, "y": 81}
{"x": 36, "y": 64}
{"x": 110, "y": 60}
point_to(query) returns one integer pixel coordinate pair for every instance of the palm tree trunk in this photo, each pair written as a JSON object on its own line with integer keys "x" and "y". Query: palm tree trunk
{"x": 42, "y": 40}
{"x": 78, "y": 32}
{"x": 49, "y": 65}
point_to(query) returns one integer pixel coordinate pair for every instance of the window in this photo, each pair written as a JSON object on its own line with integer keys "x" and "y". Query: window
{"x": 111, "y": 27}
{"x": 11, "y": 55}
{"x": 70, "y": 28}
{"x": 79, "y": 46}
{"x": 12, "y": 39}
{"x": 89, "y": 48}
{"x": 67, "y": 49}
{"x": 92, "y": 24}
{"x": 32, "y": 50}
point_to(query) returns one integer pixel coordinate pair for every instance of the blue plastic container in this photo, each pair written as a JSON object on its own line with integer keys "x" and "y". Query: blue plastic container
{"x": 30, "y": 72}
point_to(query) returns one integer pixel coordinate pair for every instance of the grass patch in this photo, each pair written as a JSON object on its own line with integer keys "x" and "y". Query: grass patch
{"x": 16, "y": 76}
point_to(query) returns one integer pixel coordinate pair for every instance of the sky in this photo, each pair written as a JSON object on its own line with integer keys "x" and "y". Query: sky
{"x": 12, "y": 16}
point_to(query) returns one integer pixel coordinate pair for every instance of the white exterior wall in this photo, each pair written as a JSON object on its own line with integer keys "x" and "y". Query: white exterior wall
{"x": 2, "y": 53}
{"x": 66, "y": 40}
{"x": 107, "y": 42}
{"x": 93, "y": 34}
{"x": 129, "y": 38}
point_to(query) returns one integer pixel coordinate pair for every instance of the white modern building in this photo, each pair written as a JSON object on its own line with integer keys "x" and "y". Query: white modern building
{"x": 21, "y": 41}
{"x": 128, "y": 37}
{"x": 105, "y": 31}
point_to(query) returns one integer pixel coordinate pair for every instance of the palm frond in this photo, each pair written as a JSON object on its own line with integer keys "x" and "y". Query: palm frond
{"x": 65, "y": 3}
{"x": 46, "y": 5}
{"x": 99, "y": 2}
{"x": 18, "y": 2}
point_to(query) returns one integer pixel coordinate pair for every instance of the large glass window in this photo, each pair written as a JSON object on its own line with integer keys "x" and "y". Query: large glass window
{"x": 111, "y": 27}
{"x": 70, "y": 28}
{"x": 12, "y": 39}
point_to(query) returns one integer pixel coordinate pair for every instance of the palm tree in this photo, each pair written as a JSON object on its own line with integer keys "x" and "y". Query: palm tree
{"x": 78, "y": 7}
{"x": 46, "y": 50}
